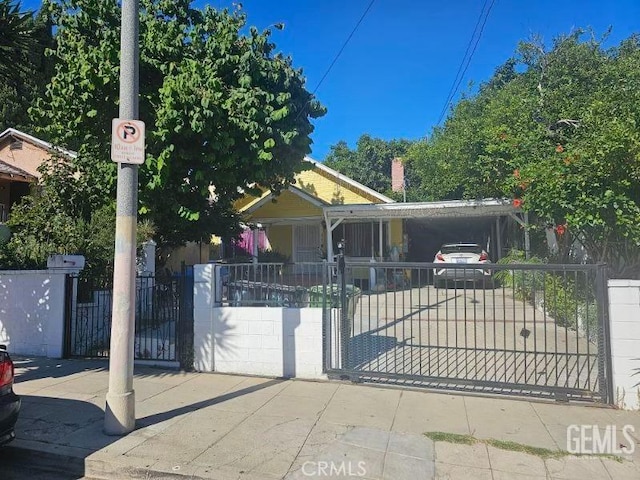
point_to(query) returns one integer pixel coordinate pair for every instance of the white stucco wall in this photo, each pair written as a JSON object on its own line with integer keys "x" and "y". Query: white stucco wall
{"x": 32, "y": 312}
{"x": 624, "y": 316}
{"x": 281, "y": 342}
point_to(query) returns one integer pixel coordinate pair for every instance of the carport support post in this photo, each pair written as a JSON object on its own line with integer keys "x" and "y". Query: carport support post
{"x": 498, "y": 241}
{"x": 527, "y": 240}
{"x": 345, "y": 329}
{"x": 120, "y": 417}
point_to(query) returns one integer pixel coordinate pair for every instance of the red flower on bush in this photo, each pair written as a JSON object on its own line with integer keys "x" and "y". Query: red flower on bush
{"x": 516, "y": 173}
{"x": 559, "y": 148}
{"x": 561, "y": 229}
{"x": 517, "y": 202}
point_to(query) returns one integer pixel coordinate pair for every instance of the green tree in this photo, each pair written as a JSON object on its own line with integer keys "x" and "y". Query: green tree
{"x": 370, "y": 162}
{"x": 24, "y": 70}
{"x": 223, "y": 112}
{"x": 15, "y": 38}
{"x": 556, "y": 129}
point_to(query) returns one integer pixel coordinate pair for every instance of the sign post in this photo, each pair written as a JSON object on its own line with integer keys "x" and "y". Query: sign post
{"x": 127, "y": 149}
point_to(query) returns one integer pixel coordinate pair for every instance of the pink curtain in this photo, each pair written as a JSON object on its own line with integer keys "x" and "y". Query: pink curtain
{"x": 244, "y": 245}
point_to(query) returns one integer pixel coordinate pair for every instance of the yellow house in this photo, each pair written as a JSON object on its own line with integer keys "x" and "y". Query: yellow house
{"x": 294, "y": 223}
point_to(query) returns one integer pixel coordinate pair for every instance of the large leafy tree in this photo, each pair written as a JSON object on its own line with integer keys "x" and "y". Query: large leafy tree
{"x": 370, "y": 162}
{"x": 223, "y": 112}
{"x": 555, "y": 129}
{"x": 15, "y": 38}
{"x": 24, "y": 70}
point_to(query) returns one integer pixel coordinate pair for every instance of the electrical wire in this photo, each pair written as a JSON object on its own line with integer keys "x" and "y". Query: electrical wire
{"x": 337, "y": 56}
{"x": 459, "y": 77}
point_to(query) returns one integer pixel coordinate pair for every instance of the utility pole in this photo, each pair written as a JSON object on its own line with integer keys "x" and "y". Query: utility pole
{"x": 120, "y": 417}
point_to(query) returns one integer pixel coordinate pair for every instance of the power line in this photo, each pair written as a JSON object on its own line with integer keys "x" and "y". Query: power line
{"x": 464, "y": 57}
{"x": 458, "y": 80}
{"x": 344, "y": 45}
{"x": 337, "y": 56}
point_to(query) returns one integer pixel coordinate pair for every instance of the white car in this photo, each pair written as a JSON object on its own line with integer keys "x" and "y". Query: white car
{"x": 462, "y": 254}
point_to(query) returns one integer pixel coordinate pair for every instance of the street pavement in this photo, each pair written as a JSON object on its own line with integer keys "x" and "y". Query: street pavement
{"x": 223, "y": 427}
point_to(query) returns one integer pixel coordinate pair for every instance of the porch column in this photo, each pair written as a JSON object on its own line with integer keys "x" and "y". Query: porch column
{"x": 498, "y": 240}
{"x": 380, "y": 246}
{"x": 330, "y": 228}
{"x": 527, "y": 240}
{"x": 329, "y": 232}
{"x": 254, "y": 249}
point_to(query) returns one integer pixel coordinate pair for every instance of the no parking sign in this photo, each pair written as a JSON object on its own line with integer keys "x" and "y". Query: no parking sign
{"x": 127, "y": 141}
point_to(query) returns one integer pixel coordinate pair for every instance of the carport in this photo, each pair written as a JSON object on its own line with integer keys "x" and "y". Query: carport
{"x": 463, "y": 214}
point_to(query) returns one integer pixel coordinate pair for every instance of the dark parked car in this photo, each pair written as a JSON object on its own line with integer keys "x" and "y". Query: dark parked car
{"x": 9, "y": 401}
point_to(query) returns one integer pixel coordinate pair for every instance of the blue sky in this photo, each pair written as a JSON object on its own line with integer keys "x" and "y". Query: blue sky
{"x": 393, "y": 78}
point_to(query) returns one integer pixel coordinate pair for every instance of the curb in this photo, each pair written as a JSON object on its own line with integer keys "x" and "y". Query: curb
{"x": 76, "y": 462}
{"x": 44, "y": 460}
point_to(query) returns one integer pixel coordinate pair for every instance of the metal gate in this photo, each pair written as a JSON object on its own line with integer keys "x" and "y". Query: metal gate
{"x": 163, "y": 317}
{"x": 537, "y": 330}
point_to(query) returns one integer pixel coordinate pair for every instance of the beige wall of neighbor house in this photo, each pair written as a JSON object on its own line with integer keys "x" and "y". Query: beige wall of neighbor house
{"x": 27, "y": 158}
{"x": 20, "y": 157}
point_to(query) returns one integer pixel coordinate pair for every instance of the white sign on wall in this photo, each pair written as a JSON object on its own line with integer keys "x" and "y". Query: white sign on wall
{"x": 127, "y": 141}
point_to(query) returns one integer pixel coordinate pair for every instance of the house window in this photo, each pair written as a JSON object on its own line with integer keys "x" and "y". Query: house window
{"x": 362, "y": 239}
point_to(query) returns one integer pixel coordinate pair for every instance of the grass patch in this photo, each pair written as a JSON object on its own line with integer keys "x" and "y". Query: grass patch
{"x": 451, "y": 438}
{"x": 543, "y": 453}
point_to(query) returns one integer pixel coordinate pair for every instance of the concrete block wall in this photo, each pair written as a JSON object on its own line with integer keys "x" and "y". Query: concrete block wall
{"x": 32, "y": 312}
{"x": 624, "y": 317}
{"x": 280, "y": 342}
{"x": 203, "y": 317}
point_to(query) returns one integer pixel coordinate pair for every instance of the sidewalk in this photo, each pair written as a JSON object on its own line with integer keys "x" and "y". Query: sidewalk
{"x": 196, "y": 425}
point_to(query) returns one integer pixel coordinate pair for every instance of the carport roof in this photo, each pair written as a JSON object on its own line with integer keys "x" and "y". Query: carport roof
{"x": 488, "y": 207}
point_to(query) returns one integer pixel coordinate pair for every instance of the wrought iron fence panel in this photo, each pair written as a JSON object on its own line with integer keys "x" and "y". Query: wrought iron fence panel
{"x": 269, "y": 284}
{"x": 523, "y": 329}
{"x": 162, "y": 308}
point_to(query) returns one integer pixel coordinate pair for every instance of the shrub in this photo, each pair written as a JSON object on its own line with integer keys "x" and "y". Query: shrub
{"x": 570, "y": 305}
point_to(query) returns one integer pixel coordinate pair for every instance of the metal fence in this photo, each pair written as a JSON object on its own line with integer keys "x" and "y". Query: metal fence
{"x": 270, "y": 284}
{"x": 163, "y": 317}
{"x": 522, "y": 329}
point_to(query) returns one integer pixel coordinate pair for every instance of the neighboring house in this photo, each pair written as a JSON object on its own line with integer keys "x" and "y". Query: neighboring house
{"x": 20, "y": 156}
{"x": 294, "y": 223}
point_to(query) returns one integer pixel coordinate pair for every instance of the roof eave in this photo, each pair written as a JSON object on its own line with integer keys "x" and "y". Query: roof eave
{"x": 37, "y": 142}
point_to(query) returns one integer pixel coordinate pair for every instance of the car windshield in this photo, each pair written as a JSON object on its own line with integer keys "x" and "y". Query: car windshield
{"x": 462, "y": 248}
